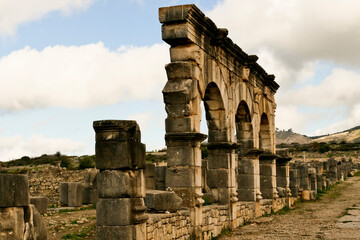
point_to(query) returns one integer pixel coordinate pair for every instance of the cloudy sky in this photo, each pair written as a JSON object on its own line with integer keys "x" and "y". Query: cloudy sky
{"x": 66, "y": 63}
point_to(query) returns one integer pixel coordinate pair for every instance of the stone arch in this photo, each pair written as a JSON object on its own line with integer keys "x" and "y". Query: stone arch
{"x": 265, "y": 134}
{"x": 243, "y": 124}
{"x": 215, "y": 114}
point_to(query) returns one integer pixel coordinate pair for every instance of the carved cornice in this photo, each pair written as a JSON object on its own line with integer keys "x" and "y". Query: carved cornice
{"x": 214, "y": 38}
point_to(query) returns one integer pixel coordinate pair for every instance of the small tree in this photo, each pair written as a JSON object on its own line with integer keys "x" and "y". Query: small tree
{"x": 65, "y": 162}
{"x": 87, "y": 162}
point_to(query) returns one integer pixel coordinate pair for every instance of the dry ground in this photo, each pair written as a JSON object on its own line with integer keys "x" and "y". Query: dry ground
{"x": 308, "y": 220}
{"x": 76, "y": 225}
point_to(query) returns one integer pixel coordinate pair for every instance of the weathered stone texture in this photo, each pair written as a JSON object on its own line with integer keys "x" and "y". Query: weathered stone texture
{"x": 162, "y": 200}
{"x": 40, "y": 202}
{"x": 14, "y": 190}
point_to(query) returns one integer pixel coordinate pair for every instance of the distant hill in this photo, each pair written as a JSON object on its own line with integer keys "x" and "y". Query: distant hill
{"x": 289, "y": 137}
{"x": 350, "y": 136}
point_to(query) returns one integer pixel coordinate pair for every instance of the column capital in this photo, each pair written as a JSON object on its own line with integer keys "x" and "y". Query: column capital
{"x": 223, "y": 145}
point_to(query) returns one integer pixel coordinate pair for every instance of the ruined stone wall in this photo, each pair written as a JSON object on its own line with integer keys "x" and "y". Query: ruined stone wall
{"x": 44, "y": 181}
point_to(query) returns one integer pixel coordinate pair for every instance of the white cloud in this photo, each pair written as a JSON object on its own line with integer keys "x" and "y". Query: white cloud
{"x": 297, "y": 30}
{"x": 36, "y": 145}
{"x": 352, "y": 119}
{"x": 291, "y": 38}
{"x": 142, "y": 119}
{"x": 15, "y": 12}
{"x": 340, "y": 88}
{"x": 81, "y": 76}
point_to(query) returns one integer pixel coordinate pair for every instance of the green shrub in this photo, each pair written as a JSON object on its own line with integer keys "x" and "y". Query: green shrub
{"x": 65, "y": 162}
{"x": 87, "y": 162}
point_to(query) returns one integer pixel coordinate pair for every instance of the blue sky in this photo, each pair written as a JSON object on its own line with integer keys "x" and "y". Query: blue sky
{"x": 64, "y": 64}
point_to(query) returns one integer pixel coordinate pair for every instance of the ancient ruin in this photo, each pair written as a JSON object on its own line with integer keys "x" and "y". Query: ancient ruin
{"x": 188, "y": 197}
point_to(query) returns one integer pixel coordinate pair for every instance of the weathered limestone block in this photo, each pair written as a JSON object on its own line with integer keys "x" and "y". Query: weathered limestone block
{"x": 12, "y": 223}
{"x": 113, "y": 212}
{"x": 116, "y": 184}
{"x": 90, "y": 179}
{"x": 137, "y": 231}
{"x": 118, "y": 145}
{"x": 160, "y": 177}
{"x": 90, "y": 195}
{"x": 14, "y": 190}
{"x": 71, "y": 194}
{"x": 37, "y": 224}
{"x": 40, "y": 202}
{"x": 120, "y": 211}
{"x": 183, "y": 176}
{"x": 218, "y": 178}
{"x": 162, "y": 200}
{"x": 294, "y": 182}
{"x": 117, "y": 155}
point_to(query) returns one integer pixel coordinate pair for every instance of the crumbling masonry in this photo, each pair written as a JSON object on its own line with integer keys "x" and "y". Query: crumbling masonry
{"x": 243, "y": 176}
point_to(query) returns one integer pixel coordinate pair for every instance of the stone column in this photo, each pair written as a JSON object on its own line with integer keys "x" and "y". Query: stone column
{"x": 221, "y": 176}
{"x": 333, "y": 170}
{"x": 304, "y": 181}
{"x": 120, "y": 157}
{"x": 313, "y": 182}
{"x": 248, "y": 177}
{"x": 183, "y": 174}
{"x": 283, "y": 176}
{"x": 221, "y": 172}
{"x": 268, "y": 176}
{"x": 294, "y": 183}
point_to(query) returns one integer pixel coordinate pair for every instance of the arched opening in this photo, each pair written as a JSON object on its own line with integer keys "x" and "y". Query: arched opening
{"x": 219, "y": 164}
{"x": 215, "y": 114}
{"x": 244, "y": 129}
{"x": 264, "y": 135}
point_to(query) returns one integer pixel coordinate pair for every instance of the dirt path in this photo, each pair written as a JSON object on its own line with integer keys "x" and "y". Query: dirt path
{"x": 312, "y": 220}
{"x": 74, "y": 225}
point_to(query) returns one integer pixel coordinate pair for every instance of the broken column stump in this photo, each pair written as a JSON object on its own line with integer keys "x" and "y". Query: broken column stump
{"x": 120, "y": 157}
{"x": 18, "y": 218}
{"x": 90, "y": 192}
{"x": 71, "y": 194}
{"x": 40, "y": 202}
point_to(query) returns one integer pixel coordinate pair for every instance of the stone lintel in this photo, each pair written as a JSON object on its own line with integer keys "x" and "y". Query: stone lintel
{"x": 254, "y": 152}
{"x": 117, "y": 130}
{"x": 267, "y": 156}
{"x": 184, "y": 137}
{"x": 223, "y": 145}
{"x": 282, "y": 160}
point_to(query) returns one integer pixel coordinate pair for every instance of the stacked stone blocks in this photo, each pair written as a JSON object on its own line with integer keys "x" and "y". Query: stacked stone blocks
{"x": 120, "y": 157}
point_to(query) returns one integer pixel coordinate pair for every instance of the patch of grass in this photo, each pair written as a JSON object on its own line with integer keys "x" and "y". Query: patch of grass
{"x": 16, "y": 171}
{"x": 83, "y": 234}
{"x": 75, "y": 210}
{"x": 74, "y": 222}
{"x": 357, "y": 174}
{"x": 224, "y": 231}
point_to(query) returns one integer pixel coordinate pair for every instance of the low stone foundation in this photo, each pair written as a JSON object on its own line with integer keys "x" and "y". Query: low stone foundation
{"x": 214, "y": 219}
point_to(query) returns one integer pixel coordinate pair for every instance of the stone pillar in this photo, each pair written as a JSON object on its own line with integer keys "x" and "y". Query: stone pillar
{"x": 268, "y": 176}
{"x": 221, "y": 176}
{"x": 313, "y": 182}
{"x": 183, "y": 173}
{"x": 221, "y": 172}
{"x": 333, "y": 170}
{"x": 90, "y": 193}
{"x": 304, "y": 181}
{"x": 120, "y": 157}
{"x": 294, "y": 183}
{"x": 283, "y": 176}
{"x": 71, "y": 194}
{"x": 248, "y": 177}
